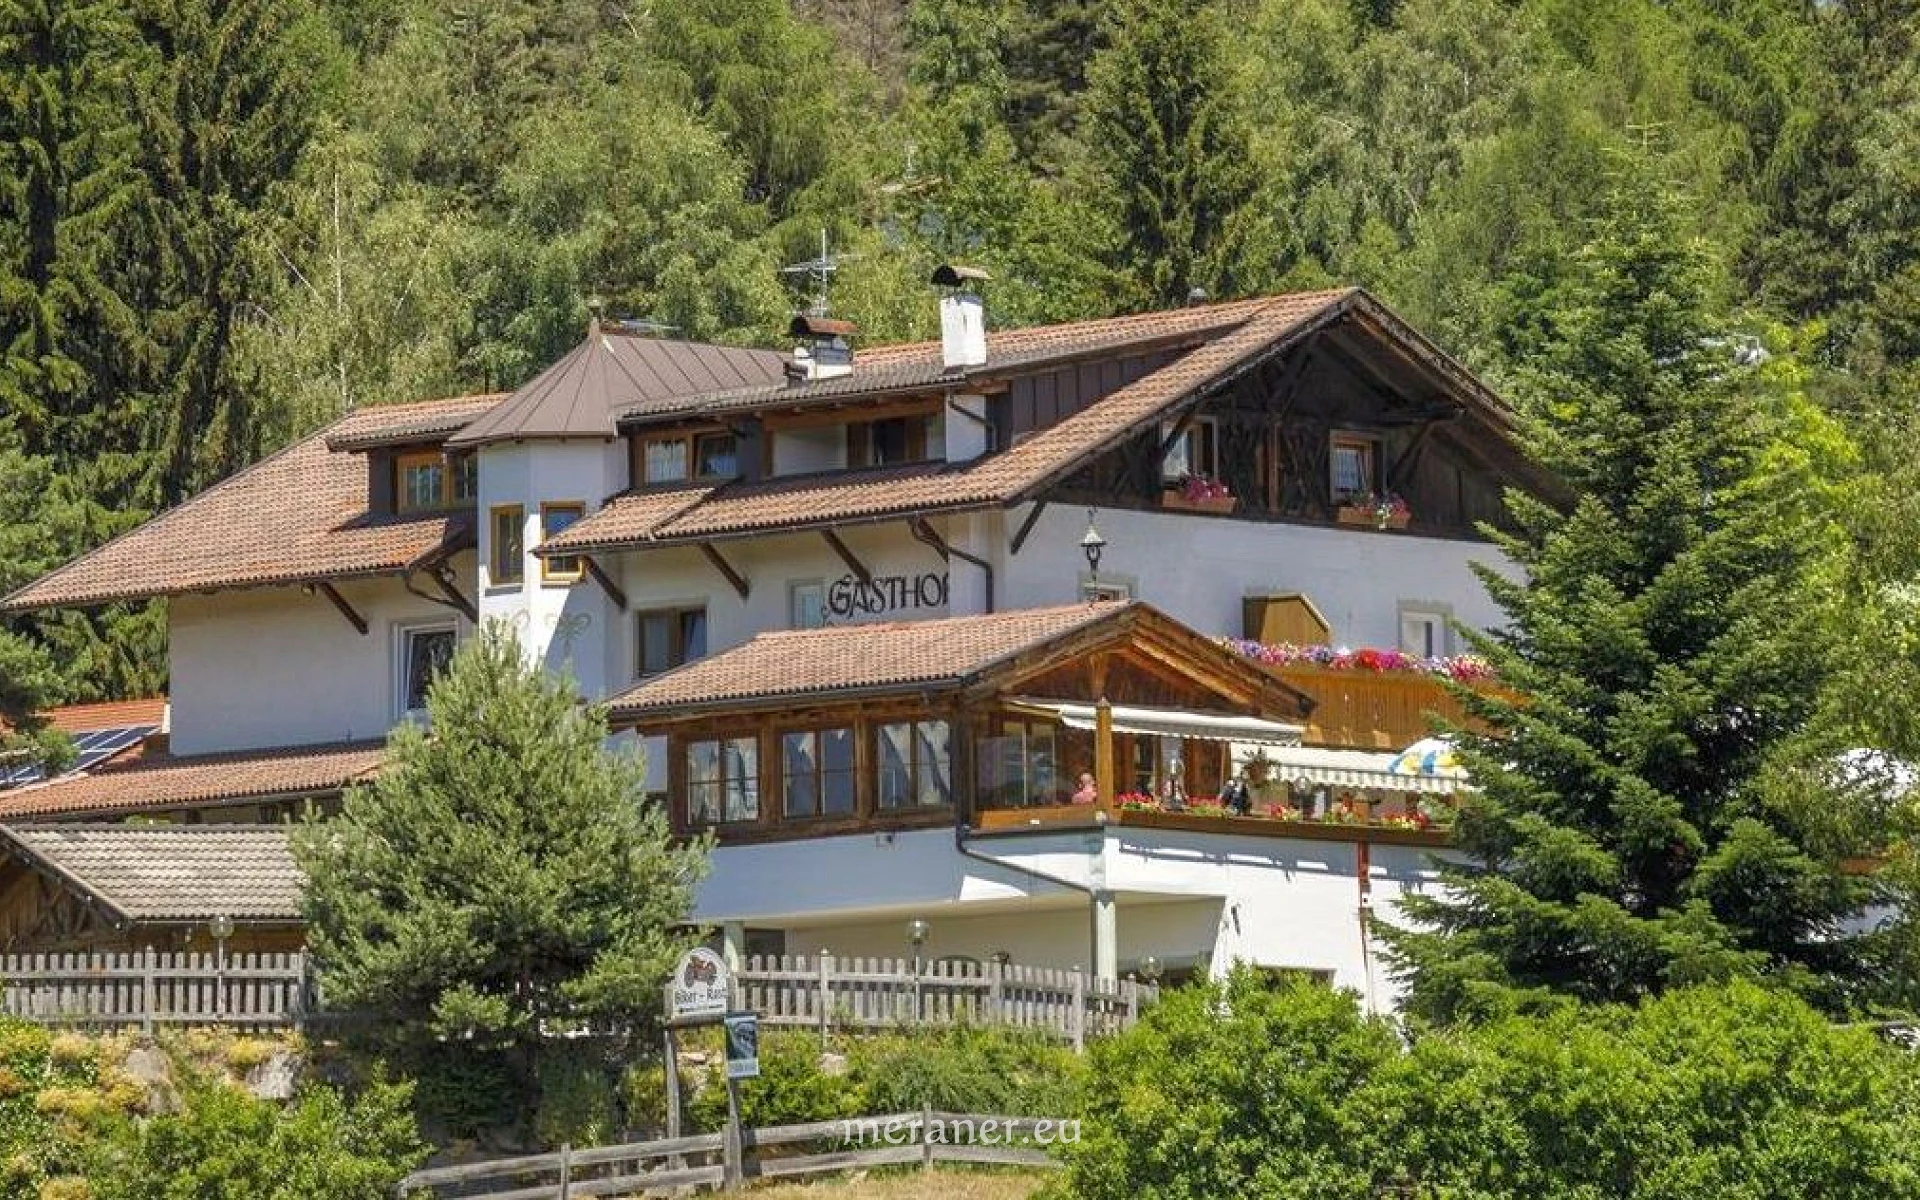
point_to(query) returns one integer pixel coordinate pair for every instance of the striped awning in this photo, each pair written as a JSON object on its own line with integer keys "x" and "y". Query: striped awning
{"x": 1171, "y": 722}
{"x": 1362, "y": 770}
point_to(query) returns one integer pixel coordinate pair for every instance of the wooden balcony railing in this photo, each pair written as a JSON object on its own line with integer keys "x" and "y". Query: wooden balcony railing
{"x": 1370, "y": 710}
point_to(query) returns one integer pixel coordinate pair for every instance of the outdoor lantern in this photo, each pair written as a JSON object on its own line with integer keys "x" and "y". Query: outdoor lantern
{"x": 1150, "y": 969}
{"x": 1091, "y": 544}
{"x": 221, "y": 927}
{"x": 917, "y": 930}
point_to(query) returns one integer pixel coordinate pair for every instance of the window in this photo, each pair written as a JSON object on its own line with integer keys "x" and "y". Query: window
{"x": 554, "y": 519}
{"x": 669, "y": 637}
{"x": 916, "y": 764}
{"x": 427, "y": 480}
{"x": 1354, "y": 461}
{"x": 806, "y": 604}
{"x": 1423, "y": 632}
{"x": 507, "y": 559}
{"x": 424, "y": 651}
{"x": 1195, "y": 452}
{"x": 816, "y": 772}
{"x": 723, "y": 781}
{"x": 682, "y": 457}
{"x": 1021, "y": 766}
{"x": 884, "y": 443}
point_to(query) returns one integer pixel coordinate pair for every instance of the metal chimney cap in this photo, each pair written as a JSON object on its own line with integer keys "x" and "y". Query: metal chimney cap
{"x": 806, "y": 325}
{"x": 954, "y": 275}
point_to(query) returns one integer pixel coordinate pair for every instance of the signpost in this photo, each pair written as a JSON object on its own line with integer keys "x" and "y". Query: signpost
{"x": 701, "y": 993}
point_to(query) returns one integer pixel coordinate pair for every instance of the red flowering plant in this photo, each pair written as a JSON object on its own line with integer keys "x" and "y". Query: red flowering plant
{"x": 1388, "y": 507}
{"x": 1200, "y": 487}
{"x": 1136, "y": 802}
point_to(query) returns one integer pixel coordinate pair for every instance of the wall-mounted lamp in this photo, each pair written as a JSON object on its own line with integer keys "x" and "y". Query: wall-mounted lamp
{"x": 1091, "y": 545}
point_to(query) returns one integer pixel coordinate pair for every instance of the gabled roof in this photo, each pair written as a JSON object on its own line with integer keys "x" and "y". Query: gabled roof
{"x": 1263, "y": 329}
{"x": 612, "y": 372}
{"x": 850, "y": 661}
{"x": 298, "y": 515}
{"x": 192, "y": 781}
{"x": 409, "y": 424}
{"x": 169, "y": 872}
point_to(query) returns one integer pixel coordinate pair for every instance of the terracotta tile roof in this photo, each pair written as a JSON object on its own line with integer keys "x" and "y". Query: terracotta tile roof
{"x": 401, "y": 424}
{"x": 164, "y": 782}
{"x": 855, "y": 658}
{"x": 908, "y": 365}
{"x": 998, "y": 479}
{"x": 170, "y": 872}
{"x": 614, "y": 372}
{"x": 110, "y": 714}
{"x": 298, "y": 515}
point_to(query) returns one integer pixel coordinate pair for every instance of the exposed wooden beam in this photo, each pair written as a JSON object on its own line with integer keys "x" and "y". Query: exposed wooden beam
{"x": 847, "y": 556}
{"x": 443, "y": 579}
{"x": 726, "y": 569}
{"x": 1026, "y": 526}
{"x": 605, "y": 581}
{"x": 1407, "y": 458}
{"x": 340, "y": 602}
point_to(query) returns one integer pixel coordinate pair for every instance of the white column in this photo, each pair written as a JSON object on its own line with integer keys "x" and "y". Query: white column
{"x": 1106, "y": 935}
{"x": 733, "y": 945}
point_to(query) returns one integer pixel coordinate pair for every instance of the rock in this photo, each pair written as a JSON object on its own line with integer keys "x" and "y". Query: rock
{"x": 833, "y": 1064}
{"x": 148, "y": 1067}
{"x": 276, "y": 1077}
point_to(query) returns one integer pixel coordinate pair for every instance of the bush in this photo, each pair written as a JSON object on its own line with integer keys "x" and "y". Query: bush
{"x": 976, "y": 1069}
{"x": 791, "y": 1088}
{"x": 1727, "y": 1091}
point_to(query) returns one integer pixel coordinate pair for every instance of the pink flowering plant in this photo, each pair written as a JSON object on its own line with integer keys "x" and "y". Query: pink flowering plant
{"x": 1201, "y": 487}
{"x": 1462, "y": 668}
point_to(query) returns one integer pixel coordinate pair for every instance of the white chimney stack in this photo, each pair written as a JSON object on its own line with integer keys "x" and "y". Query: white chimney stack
{"x": 963, "y": 316}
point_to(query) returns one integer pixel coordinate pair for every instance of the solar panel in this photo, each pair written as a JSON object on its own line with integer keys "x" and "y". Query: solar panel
{"x": 93, "y": 747}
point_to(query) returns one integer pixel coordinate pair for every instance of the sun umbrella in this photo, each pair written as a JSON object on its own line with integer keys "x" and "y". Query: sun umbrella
{"x": 1428, "y": 756}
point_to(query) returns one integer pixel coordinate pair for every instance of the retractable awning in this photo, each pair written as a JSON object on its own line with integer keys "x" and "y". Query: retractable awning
{"x": 1170, "y": 722}
{"x": 1360, "y": 769}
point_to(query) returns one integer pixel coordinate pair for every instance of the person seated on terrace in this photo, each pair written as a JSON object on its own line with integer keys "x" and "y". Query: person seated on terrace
{"x": 1087, "y": 792}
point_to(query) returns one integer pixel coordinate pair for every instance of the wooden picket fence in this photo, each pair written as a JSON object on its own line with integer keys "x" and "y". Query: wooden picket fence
{"x": 831, "y": 993}
{"x": 150, "y": 987}
{"x": 712, "y": 1160}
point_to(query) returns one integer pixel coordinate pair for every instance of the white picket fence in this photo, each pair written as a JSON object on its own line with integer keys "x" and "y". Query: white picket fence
{"x": 828, "y": 993}
{"x": 153, "y": 987}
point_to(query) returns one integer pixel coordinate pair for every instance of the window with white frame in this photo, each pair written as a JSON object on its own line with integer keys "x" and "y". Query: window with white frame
{"x": 1355, "y": 463}
{"x": 1195, "y": 452}
{"x": 421, "y": 653}
{"x": 1423, "y": 632}
{"x": 807, "y": 604}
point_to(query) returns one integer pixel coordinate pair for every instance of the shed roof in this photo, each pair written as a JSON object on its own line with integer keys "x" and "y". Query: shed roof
{"x": 169, "y": 872}
{"x": 611, "y": 372}
{"x": 163, "y": 782}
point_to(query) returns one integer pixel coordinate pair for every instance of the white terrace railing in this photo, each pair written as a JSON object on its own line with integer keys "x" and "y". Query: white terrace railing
{"x": 829, "y": 993}
{"x": 148, "y": 988}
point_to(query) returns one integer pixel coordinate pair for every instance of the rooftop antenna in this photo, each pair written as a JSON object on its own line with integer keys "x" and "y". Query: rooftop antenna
{"x": 819, "y": 271}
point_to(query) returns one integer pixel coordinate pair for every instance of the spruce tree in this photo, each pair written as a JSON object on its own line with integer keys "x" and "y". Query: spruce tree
{"x": 1666, "y": 653}
{"x": 503, "y": 874}
{"x": 1167, "y": 134}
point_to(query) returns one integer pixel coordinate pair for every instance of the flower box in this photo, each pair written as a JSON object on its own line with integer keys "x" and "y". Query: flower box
{"x": 1369, "y": 516}
{"x": 1176, "y": 498}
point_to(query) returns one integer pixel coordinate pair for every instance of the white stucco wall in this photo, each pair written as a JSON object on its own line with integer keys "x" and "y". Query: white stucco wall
{"x": 276, "y": 667}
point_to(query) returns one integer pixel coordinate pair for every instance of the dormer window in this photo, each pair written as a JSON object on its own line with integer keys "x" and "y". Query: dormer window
{"x": 428, "y": 481}
{"x": 682, "y": 457}
{"x": 885, "y": 443}
{"x": 1355, "y": 461}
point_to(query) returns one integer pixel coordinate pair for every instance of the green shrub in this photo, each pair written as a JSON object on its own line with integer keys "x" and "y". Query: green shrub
{"x": 1728, "y": 1091}
{"x": 790, "y": 1090}
{"x": 464, "y": 1089}
{"x": 577, "y": 1100}
{"x": 971, "y": 1069}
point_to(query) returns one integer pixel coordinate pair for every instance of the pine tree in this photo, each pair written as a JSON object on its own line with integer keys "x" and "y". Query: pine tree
{"x": 1666, "y": 652}
{"x": 1167, "y": 135}
{"x": 503, "y": 873}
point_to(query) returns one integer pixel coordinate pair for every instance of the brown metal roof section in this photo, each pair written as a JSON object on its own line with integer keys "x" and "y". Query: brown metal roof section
{"x": 197, "y": 781}
{"x": 170, "y": 872}
{"x": 613, "y": 371}
{"x": 296, "y": 516}
{"x": 919, "y": 657}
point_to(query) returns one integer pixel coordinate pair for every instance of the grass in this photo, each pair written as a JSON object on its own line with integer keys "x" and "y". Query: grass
{"x": 911, "y": 1185}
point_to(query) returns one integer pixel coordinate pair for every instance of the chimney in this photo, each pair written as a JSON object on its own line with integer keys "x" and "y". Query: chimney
{"x": 821, "y": 349}
{"x": 963, "y": 317}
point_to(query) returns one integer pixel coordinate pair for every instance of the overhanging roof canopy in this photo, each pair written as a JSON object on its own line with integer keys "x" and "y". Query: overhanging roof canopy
{"x": 1168, "y": 722}
{"x": 1362, "y": 769}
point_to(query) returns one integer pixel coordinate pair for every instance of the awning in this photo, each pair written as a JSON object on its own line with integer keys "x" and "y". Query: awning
{"x": 1171, "y": 722}
{"x": 1360, "y": 769}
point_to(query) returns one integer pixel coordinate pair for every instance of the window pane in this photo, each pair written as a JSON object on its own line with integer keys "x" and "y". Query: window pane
{"x": 703, "y": 782}
{"x": 693, "y": 635}
{"x": 800, "y": 772}
{"x": 656, "y": 643}
{"x": 836, "y": 772}
{"x": 421, "y": 484}
{"x": 466, "y": 477}
{"x": 808, "y": 606}
{"x": 1178, "y": 463}
{"x": 428, "y": 651}
{"x": 1043, "y": 779}
{"x": 933, "y": 756}
{"x": 742, "y": 766}
{"x": 1350, "y": 474}
{"x": 715, "y": 455}
{"x": 509, "y": 551}
{"x": 666, "y": 461}
{"x": 896, "y": 765}
{"x": 555, "y": 518}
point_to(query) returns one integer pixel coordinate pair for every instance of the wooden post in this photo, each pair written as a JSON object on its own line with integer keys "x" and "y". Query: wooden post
{"x": 1103, "y": 753}
{"x": 826, "y": 998}
{"x": 926, "y": 1136}
{"x": 672, "y": 1060}
{"x": 732, "y": 1170}
{"x": 297, "y": 1003}
{"x": 996, "y": 996}
{"x": 1079, "y": 1015}
{"x": 146, "y": 991}
{"x": 566, "y": 1171}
